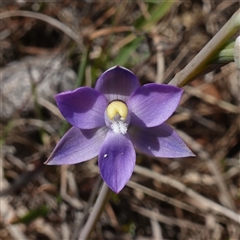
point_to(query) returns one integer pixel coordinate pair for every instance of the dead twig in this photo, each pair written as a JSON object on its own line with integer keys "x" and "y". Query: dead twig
{"x": 207, "y": 203}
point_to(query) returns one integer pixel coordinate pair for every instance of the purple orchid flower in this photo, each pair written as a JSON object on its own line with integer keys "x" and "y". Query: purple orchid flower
{"x": 113, "y": 119}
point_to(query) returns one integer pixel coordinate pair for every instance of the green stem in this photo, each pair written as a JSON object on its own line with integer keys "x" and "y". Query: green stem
{"x": 82, "y": 67}
{"x": 201, "y": 60}
{"x": 98, "y": 208}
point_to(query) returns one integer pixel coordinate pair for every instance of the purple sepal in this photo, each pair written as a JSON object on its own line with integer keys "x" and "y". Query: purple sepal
{"x": 83, "y": 108}
{"x": 117, "y": 83}
{"x": 77, "y": 146}
{"x": 116, "y": 160}
{"x": 160, "y": 141}
{"x": 152, "y": 104}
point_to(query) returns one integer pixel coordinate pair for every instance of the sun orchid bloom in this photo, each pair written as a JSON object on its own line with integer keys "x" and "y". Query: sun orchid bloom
{"x": 113, "y": 120}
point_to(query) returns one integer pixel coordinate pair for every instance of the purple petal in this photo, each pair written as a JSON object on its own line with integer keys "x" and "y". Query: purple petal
{"x": 117, "y": 83}
{"x": 160, "y": 141}
{"x": 116, "y": 160}
{"x": 83, "y": 108}
{"x": 77, "y": 146}
{"x": 152, "y": 104}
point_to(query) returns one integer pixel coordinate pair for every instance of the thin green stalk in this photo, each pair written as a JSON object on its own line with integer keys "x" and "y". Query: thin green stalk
{"x": 82, "y": 67}
{"x": 98, "y": 208}
{"x": 202, "y": 59}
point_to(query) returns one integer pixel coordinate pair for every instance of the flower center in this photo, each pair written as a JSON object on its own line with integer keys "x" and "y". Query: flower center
{"x": 117, "y": 107}
{"x": 117, "y": 112}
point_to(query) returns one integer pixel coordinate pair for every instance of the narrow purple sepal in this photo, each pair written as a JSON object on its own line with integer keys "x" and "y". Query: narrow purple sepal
{"x": 83, "y": 108}
{"x": 160, "y": 141}
{"x": 152, "y": 104}
{"x": 116, "y": 160}
{"x": 77, "y": 146}
{"x": 117, "y": 83}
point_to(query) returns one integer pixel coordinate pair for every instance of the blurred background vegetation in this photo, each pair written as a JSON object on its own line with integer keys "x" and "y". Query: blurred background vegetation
{"x": 48, "y": 47}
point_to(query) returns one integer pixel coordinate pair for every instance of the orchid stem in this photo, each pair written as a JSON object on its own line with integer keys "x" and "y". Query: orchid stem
{"x": 203, "y": 58}
{"x": 98, "y": 208}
